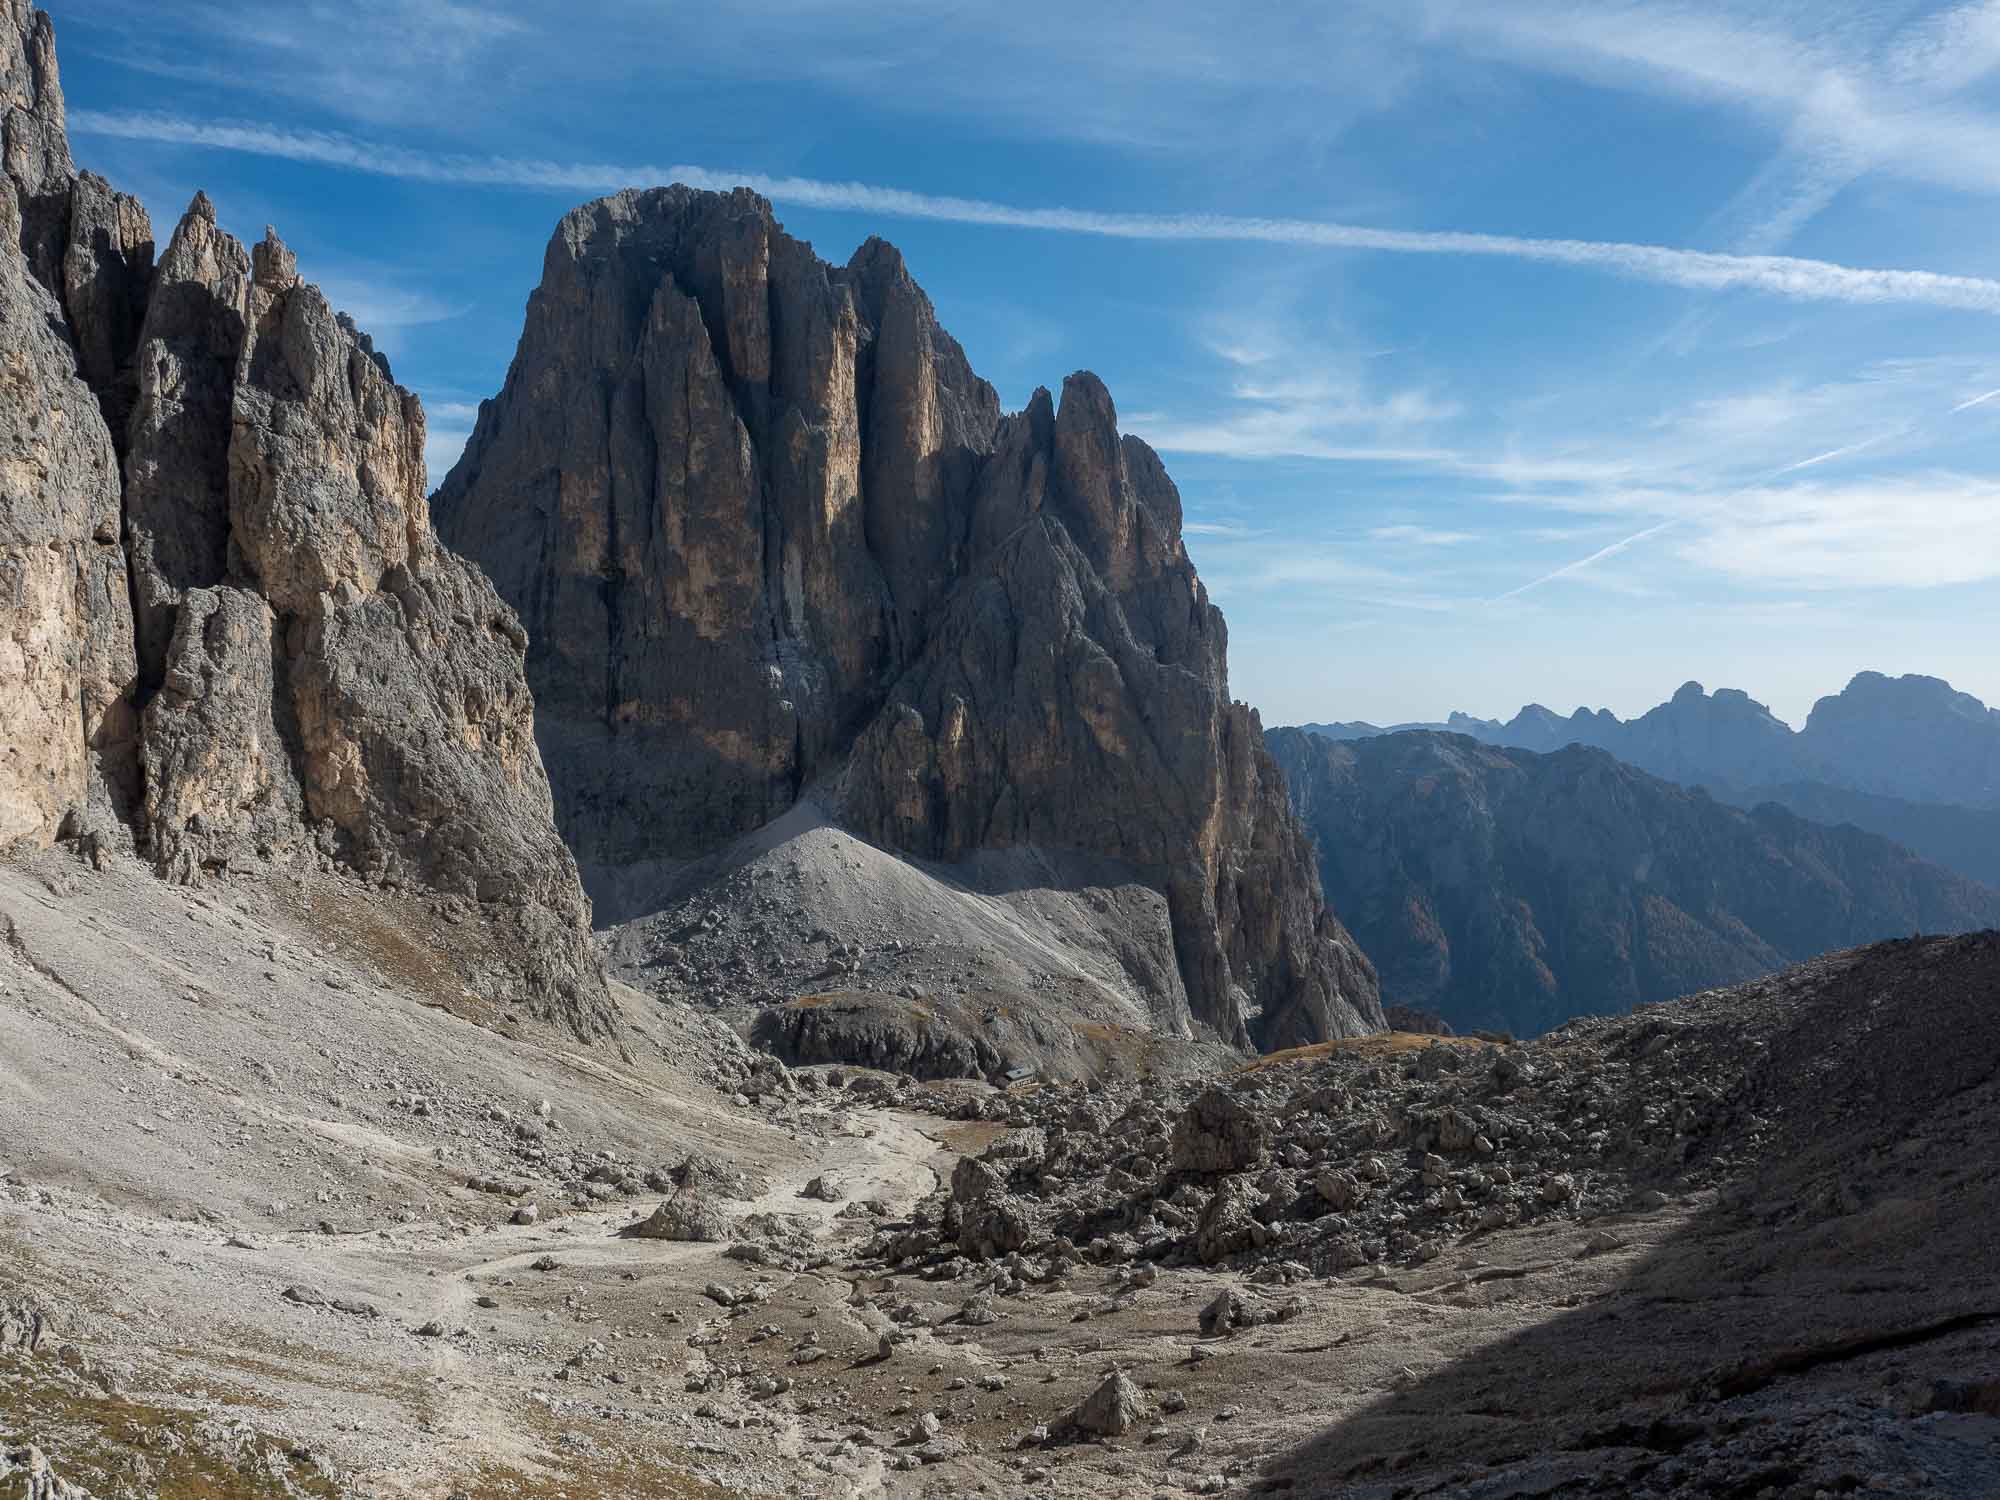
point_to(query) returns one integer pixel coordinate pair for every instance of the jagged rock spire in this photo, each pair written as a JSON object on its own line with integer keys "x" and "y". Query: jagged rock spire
{"x": 768, "y": 530}
{"x": 290, "y": 669}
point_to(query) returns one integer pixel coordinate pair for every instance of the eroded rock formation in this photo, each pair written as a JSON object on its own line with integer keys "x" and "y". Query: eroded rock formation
{"x": 67, "y": 758}
{"x": 227, "y": 631}
{"x": 767, "y": 530}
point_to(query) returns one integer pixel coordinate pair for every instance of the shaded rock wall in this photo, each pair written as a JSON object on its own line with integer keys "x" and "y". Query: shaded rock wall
{"x": 766, "y": 528}
{"x": 227, "y": 632}
{"x": 670, "y": 489}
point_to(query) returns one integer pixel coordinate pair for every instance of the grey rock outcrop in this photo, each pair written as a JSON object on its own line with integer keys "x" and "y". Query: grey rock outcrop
{"x": 1114, "y": 1408}
{"x": 683, "y": 1217}
{"x": 34, "y": 139}
{"x": 1218, "y": 1133}
{"x": 67, "y": 755}
{"x": 33, "y": 1477}
{"x": 670, "y": 488}
{"x": 767, "y": 529}
{"x": 227, "y": 631}
{"x": 177, "y": 455}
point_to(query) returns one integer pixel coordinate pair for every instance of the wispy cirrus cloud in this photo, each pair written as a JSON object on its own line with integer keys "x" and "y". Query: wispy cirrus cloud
{"x": 1891, "y": 529}
{"x": 1774, "y": 275}
{"x": 1846, "y": 90}
{"x": 381, "y": 307}
{"x": 1848, "y": 87}
{"x": 1420, "y": 536}
{"x": 1911, "y": 531}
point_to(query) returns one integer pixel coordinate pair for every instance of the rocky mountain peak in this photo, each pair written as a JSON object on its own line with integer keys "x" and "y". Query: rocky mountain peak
{"x": 772, "y": 537}
{"x": 1876, "y": 692}
{"x": 34, "y": 140}
{"x": 221, "y": 554}
{"x": 1910, "y": 736}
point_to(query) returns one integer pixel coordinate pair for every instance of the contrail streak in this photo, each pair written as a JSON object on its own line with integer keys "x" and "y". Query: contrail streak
{"x": 1805, "y": 463}
{"x": 1777, "y": 275}
{"x": 1584, "y": 562}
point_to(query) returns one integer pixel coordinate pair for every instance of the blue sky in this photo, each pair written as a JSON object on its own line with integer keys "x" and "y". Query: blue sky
{"x": 1539, "y": 351}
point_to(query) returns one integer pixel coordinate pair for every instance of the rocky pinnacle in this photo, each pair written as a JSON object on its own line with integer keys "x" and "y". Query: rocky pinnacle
{"x": 769, "y": 533}
{"x": 228, "y": 636}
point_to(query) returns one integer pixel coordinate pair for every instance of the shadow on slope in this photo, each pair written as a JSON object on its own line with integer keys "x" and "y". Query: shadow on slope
{"x": 1792, "y": 1337}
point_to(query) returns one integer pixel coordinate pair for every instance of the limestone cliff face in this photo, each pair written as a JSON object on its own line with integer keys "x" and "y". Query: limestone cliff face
{"x": 670, "y": 489}
{"x": 766, "y": 528}
{"x": 227, "y": 632}
{"x": 66, "y": 754}
{"x": 1074, "y": 694}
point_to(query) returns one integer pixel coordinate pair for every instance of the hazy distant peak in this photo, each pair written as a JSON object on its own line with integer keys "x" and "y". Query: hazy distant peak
{"x": 1912, "y": 737}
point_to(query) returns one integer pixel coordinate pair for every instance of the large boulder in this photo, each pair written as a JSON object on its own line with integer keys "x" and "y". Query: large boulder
{"x": 1113, "y": 1409}
{"x": 1218, "y": 1132}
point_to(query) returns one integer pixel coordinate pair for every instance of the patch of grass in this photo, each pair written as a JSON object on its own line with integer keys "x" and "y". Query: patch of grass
{"x": 112, "y": 1446}
{"x": 1381, "y": 1044}
{"x": 1100, "y": 1031}
{"x": 630, "y": 1479}
{"x": 968, "y": 1137}
{"x": 354, "y": 922}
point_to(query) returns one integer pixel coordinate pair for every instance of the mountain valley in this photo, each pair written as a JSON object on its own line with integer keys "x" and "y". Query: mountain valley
{"x": 1511, "y": 890}
{"x": 743, "y": 945}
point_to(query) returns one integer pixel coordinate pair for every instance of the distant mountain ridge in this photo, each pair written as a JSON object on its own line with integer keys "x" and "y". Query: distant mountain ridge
{"x": 1910, "y": 758}
{"x": 1509, "y": 889}
{"x": 1912, "y": 737}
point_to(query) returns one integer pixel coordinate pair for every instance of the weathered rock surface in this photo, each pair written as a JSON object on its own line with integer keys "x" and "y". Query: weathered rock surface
{"x": 766, "y": 529}
{"x": 713, "y": 485}
{"x": 684, "y": 1217}
{"x": 1114, "y": 1408}
{"x": 1217, "y": 1133}
{"x": 1511, "y": 891}
{"x": 33, "y": 1477}
{"x": 66, "y": 758}
{"x": 177, "y": 452}
{"x": 289, "y": 664}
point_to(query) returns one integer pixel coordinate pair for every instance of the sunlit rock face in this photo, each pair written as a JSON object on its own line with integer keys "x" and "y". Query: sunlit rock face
{"x": 228, "y": 635}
